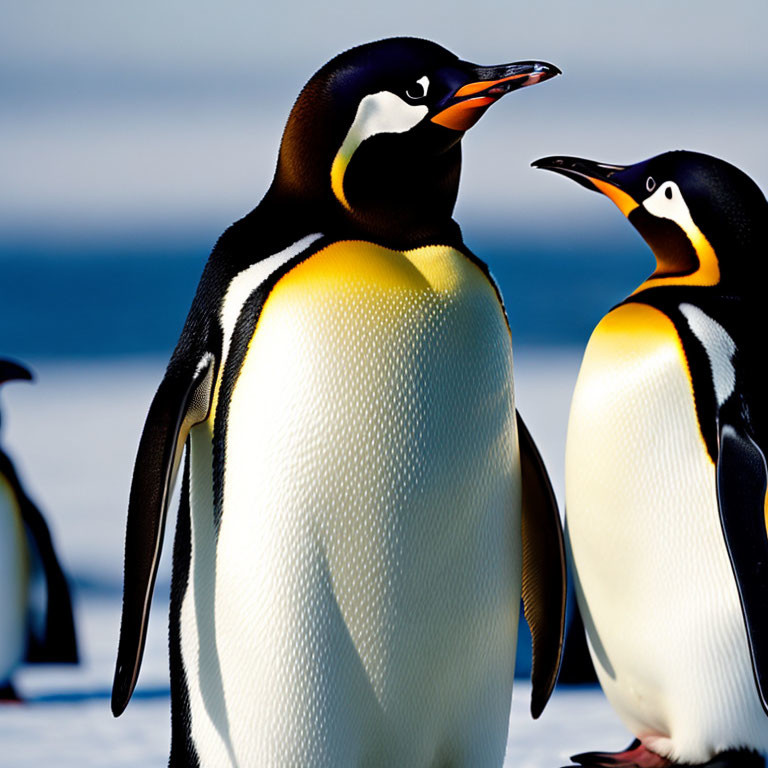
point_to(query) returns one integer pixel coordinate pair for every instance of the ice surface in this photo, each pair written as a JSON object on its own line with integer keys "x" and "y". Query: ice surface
{"x": 66, "y": 721}
{"x": 73, "y": 435}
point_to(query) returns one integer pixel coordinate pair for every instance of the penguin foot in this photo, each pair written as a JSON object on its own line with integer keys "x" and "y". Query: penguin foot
{"x": 638, "y": 756}
{"x": 634, "y": 756}
{"x": 8, "y": 693}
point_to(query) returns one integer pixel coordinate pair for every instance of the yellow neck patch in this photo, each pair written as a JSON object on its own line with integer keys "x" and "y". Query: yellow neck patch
{"x": 435, "y": 268}
{"x": 338, "y": 169}
{"x": 765, "y": 511}
{"x": 708, "y": 272}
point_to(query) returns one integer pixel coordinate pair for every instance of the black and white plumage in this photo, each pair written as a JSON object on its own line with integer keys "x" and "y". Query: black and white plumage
{"x": 666, "y": 471}
{"x": 348, "y": 556}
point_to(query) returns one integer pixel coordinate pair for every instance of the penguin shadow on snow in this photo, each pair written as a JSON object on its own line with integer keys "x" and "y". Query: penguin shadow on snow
{"x": 577, "y": 667}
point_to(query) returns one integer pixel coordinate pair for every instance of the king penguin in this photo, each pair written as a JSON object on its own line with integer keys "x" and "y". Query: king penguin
{"x": 348, "y": 554}
{"x": 666, "y": 468}
{"x": 36, "y": 622}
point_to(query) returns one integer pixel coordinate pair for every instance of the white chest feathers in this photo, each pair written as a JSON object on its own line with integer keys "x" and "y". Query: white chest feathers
{"x": 652, "y": 572}
{"x": 367, "y": 569}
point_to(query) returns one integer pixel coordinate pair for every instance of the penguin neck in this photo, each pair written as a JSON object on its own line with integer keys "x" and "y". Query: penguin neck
{"x": 399, "y": 202}
{"x": 407, "y": 204}
{"x": 723, "y": 254}
{"x": 683, "y": 257}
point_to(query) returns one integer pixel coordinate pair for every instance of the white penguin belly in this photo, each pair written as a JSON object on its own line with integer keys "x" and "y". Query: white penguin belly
{"x": 367, "y": 570}
{"x": 653, "y": 577}
{"x": 14, "y": 583}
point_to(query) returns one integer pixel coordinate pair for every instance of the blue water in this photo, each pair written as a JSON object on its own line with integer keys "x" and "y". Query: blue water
{"x": 105, "y": 300}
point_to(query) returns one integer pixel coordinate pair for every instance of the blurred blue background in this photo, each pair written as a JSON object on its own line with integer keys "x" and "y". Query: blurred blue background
{"x": 132, "y": 134}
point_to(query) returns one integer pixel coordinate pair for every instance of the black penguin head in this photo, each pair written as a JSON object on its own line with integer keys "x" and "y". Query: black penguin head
{"x": 10, "y": 371}
{"x": 374, "y": 137}
{"x": 705, "y": 220}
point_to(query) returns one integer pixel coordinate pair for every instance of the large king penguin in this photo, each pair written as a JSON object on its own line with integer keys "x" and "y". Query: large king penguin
{"x": 36, "y": 623}
{"x": 666, "y": 468}
{"x": 347, "y": 565}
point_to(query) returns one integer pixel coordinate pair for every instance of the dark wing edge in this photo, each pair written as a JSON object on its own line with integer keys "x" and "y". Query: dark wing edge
{"x": 544, "y": 574}
{"x": 56, "y": 642}
{"x": 182, "y": 400}
{"x": 742, "y": 480}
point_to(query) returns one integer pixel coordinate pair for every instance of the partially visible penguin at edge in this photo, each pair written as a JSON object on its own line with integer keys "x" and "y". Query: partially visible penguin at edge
{"x": 36, "y": 620}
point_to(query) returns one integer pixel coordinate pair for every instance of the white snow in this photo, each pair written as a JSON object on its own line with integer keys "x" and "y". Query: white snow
{"x": 73, "y": 435}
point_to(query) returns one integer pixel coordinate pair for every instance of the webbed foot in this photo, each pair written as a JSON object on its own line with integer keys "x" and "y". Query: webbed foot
{"x": 638, "y": 756}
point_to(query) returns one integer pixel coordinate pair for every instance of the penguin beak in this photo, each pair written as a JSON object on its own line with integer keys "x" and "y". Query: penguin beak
{"x": 599, "y": 177}
{"x": 485, "y": 86}
{"x": 10, "y": 371}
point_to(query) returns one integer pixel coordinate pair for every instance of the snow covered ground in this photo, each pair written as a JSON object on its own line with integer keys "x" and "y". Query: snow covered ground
{"x": 73, "y": 435}
{"x": 66, "y": 721}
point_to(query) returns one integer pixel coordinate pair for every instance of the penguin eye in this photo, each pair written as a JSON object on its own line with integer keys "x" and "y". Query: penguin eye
{"x": 418, "y": 90}
{"x": 650, "y": 184}
{"x": 668, "y": 189}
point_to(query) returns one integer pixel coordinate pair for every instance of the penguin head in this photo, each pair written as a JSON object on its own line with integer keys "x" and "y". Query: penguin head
{"x": 374, "y": 137}
{"x": 704, "y": 219}
{"x": 10, "y": 371}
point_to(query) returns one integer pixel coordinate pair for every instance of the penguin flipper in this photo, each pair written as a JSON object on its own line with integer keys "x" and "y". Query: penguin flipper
{"x": 182, "y": 400}
{"x": 544, "y": 579}
{"x": 52, "y": 638}
{"x": 56, "y": 643}
{"x": 742, "y": 481}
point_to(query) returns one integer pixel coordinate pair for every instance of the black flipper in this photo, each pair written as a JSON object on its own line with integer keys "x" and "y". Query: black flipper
{"x": 182, "y": 400}
{"x": 742, "y": 480}
{"x": 56, "y": 642}
{"x": 544, "y": 579}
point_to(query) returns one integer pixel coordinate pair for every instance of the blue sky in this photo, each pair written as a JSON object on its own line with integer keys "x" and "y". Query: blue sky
{"x": 165, "y": 116}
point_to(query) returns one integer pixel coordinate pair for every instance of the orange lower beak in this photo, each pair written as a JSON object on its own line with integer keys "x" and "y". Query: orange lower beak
{"x": 468, "y": 104}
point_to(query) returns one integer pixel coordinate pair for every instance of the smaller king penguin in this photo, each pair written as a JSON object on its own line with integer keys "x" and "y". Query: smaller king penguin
{"x": 36, "y": 625}
{"x": 361, "y": 506}
{"x": 666, "y": 469}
